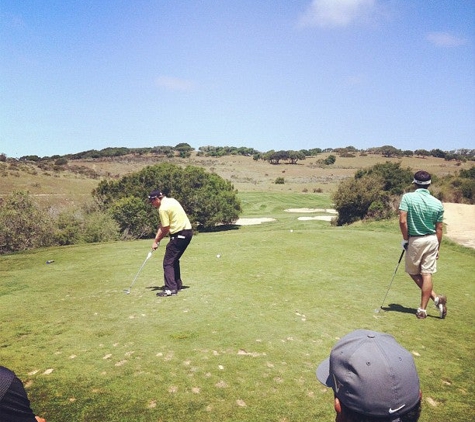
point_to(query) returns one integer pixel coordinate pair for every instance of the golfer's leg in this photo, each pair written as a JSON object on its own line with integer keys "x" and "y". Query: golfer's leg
{"x": 418, "y": 279}
{"x": 169, "y": 260}
{"x": 181, "y": 244}
{"x": 426, "y": 290}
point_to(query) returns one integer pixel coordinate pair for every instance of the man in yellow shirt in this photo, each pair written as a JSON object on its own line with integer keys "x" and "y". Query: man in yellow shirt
{"x": 175, "y": 223}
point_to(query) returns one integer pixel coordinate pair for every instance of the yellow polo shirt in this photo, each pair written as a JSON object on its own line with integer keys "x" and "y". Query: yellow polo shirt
{"x": 172, "y": 214}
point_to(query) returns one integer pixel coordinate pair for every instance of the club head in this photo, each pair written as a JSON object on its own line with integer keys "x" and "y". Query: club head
{"x": 127, "y": 291}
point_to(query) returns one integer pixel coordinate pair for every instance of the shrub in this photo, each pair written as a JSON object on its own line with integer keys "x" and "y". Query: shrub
{"x": 380, "y": 209}
{"x": 131, "y": 217}
{"x": 371, "y": 193}
{"x": 467, "y": 189}
{"x": 61, "y": 162}
{"x": 100, "y": 227}
{"x": 207, "y": 198}
{"x": 354, "y": 197}
{"x": 68, "y": 228}
{"x": 23, "y": 225}
{"x": 279, "y": 181}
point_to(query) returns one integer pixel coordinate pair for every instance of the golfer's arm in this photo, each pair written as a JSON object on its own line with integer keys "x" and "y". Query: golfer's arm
{"x": 403, "y": 224}
{"x": 161, "y": 233}
{"x": 439, "y": 229}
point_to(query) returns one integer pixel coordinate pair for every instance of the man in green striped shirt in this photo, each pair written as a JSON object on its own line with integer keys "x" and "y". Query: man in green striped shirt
{"x": 420, "y": 221}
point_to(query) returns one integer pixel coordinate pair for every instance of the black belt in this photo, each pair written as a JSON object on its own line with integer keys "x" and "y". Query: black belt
{"x": 180, "y": 234}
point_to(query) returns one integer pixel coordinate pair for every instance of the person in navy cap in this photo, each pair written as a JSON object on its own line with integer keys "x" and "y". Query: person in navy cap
{"x": 14, "y": 403}
{"x": 374, "y": 379}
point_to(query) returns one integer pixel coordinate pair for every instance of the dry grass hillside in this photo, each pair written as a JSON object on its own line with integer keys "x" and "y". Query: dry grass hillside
{"x": 72, "y": 184}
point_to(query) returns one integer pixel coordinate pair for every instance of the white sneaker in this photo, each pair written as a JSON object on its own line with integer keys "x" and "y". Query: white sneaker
{"x": 440, "y": 303}
{"x": 421, "y": 313}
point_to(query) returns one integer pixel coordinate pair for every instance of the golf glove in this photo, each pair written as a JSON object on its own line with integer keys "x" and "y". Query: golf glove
{"x": 404, "y": 244}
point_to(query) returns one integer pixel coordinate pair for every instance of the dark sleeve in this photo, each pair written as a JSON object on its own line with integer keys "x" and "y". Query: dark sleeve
{"x": 15, "y": 406}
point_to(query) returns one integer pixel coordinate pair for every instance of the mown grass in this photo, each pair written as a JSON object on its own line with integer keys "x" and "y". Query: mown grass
{"x": 243, "y": 341}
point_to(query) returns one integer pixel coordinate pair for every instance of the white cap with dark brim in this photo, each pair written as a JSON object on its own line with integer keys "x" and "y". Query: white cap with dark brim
{"x": 422, "y": 182}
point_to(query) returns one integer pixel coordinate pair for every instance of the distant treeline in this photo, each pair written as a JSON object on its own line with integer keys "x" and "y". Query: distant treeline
{"x": 184, "y": 150}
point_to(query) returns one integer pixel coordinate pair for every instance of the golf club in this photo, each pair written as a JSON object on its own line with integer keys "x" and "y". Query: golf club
{"x": 397, "y": 266}
{"x": 127, "y": 291}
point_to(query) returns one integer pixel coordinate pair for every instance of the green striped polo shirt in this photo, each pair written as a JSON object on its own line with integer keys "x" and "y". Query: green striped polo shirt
{"x": 423, "y": 212}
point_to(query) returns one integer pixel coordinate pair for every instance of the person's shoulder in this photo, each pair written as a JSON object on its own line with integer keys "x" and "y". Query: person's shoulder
{"x": 408, "y": 195}
{"x": 6, "y": 373}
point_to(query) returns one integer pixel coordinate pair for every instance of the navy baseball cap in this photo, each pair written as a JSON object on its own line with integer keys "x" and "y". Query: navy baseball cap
{"x": 372, "y": 374}
{"x": 157, "y": 193}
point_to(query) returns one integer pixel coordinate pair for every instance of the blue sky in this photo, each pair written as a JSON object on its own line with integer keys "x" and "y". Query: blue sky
{"x": 267, "y": 74}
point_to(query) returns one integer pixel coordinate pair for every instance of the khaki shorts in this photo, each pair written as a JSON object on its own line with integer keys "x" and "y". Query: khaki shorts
{"x": 421, "y": 255}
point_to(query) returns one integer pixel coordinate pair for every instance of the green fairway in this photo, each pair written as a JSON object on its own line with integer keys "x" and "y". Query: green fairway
{"x": 242, "y": 342}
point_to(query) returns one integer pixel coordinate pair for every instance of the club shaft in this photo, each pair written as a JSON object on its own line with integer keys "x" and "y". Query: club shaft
{"x": 392, "y": 279}
{"x": 138, "y": 272}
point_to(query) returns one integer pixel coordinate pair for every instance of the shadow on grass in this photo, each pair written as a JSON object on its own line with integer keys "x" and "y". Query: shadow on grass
{"x": 395, "y": 307}
{"x": 219, "y": 228}
{"x": 155, "y": 288}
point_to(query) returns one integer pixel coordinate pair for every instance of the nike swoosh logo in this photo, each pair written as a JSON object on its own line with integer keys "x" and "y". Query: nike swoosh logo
{"x": 396, "y": 410}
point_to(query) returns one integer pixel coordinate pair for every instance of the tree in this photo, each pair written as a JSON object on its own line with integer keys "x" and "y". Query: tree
{"x": 395, "y": 179}
{"x": 184, "y": 149}
{"x": 295, "y": 156}
{"x": 438, "y": 153}
{"x": 207, "y": 198}
{"x": 314, "y": 151}
{"x": 274, "y": 157}
{"x": 371, "y": 192}
{"x": 422, "y": 153}
{"x": 389, "y": 151}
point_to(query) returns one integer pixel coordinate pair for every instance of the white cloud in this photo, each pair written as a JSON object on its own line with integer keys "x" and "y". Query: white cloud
{"x": 174, "y": 84}
{"x": 444, "y": 39}
{"x": 337, "y": 13}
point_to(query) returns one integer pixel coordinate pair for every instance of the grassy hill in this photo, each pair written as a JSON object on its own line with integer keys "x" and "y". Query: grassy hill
{"x": 72, "y": 184}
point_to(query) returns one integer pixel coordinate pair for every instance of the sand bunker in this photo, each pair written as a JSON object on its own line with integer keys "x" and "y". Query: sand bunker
{"x": 312, "y": 210}
{"x": 253, "y": 221}
{"x": 460, "y": 223}
{"x": 330, "y": 211}
{"x": 318, "y": 217}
